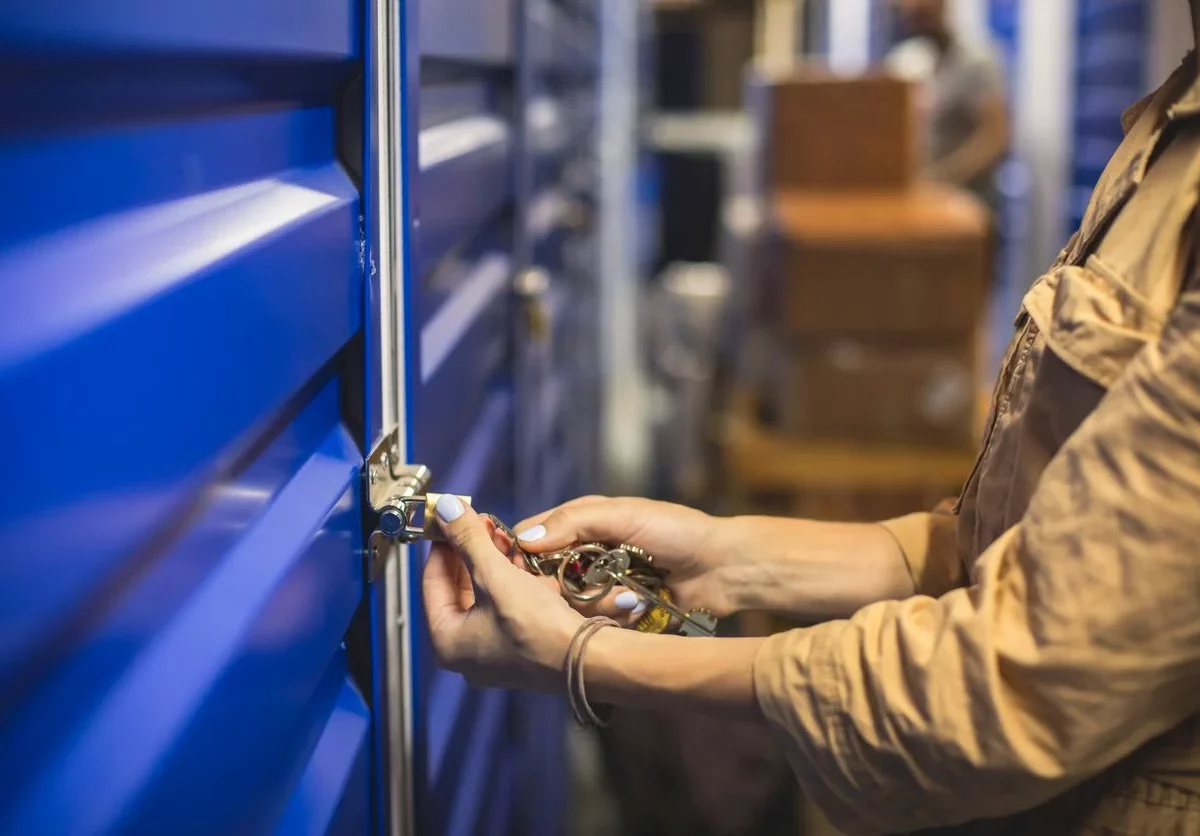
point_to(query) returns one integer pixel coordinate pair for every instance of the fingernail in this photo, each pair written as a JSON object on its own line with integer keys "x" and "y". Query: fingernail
{"x": 532, "y": 535}
{"x": 627, "y": 601}
{"x": 449, "y": 508}
{"x": 641, "y": 607}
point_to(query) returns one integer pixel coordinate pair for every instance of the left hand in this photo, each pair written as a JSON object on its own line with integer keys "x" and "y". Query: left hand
{"x": 490, "y": 620}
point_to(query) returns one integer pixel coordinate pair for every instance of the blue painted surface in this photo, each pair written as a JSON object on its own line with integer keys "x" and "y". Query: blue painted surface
{"x": 451, "y": 747}
{"x": 487, "y": 40}
{"x": 1110, "y": 75}
{"x": 476, "y": 363}
{"x": 185, "y": 324}
{"x": 1004, "y": 22}
{"x": 180, "y": 530}
{"x": 329, "y": 797}
{"x": 482, "y": 133}
{"x": 471, "y": 156}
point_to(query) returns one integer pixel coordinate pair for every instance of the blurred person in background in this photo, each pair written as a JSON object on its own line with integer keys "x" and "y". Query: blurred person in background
{"x": 1024, "y": 659}
{"x": 961, "y": 97}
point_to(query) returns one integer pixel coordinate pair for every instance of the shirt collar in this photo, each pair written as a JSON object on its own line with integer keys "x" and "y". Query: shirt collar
{"x": 1178, "y": 98}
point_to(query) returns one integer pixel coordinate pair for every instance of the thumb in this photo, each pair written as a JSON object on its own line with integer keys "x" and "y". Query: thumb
{"x": 467, "y": 532}
{"x": 604, "y": 520}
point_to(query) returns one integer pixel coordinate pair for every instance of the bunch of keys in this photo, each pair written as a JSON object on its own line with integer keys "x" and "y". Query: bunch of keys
{"x": 586, "y": 573}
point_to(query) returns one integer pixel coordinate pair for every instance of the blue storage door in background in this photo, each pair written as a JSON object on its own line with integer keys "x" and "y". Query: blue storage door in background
{"x": 180, "y": 399}
{"x": 460, "y": 400}
{"x": 1110, "y": 75}
{"x": 558, "y": 374}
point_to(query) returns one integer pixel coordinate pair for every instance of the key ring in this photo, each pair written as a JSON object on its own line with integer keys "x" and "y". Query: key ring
{"x": 588, "y": 572}
{"x": 576, "y": 576}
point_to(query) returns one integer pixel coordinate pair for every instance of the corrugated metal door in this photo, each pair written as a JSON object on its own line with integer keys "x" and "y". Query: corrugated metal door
{"x": 559, "y": 356}
{"x": 477, "y": 396}
{"x": 180, "y": 378}
{"x": 242, "y": 245}
{"x": 461, "y": 404}
{"x": 558, "y": 350}
{"x": 1110, "y": 75}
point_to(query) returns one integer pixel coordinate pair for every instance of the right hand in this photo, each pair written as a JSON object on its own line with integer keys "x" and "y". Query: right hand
{"x": 685, "y": 542}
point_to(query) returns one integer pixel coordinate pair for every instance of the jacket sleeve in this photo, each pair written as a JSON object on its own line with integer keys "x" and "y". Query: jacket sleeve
{"x": 1077, "y": 642}
{"x": 929, "y": 542}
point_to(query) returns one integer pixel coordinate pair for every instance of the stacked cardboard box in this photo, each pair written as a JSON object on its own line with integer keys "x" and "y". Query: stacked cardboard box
{"x": 877, "y": 282}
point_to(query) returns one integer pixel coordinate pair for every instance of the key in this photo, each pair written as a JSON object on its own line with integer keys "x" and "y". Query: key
{"x": 595, "y": 570}
{"x": 586, "y": 573}
{"x": 695, "y": 623}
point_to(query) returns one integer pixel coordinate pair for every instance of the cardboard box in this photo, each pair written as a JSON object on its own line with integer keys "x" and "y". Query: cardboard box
{"x": 842, "y": 133}
{"x": 758, "y": 461}
{"x": 880, "y": 393}
{"x": 881, "y": 265}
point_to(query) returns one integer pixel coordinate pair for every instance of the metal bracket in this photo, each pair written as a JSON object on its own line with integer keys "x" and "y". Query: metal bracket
{"x": 399, "y": 494}
{"x": 390, "y": 482}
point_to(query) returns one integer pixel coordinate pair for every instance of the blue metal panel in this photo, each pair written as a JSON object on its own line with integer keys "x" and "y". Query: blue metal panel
{"x": 460, "y": 394}
{"x": 467, "y": 156}
{"x": 537, "y": 51}
{"x": 539, "y": 721}
{"x": 504, "y": 785}
{"x": 464, "y": 352}
{"x": 180, "y": 533}
{"x": 446, "y": 708}
{"x": 488, "y": 39}
{"x": 295, "y": 29}
{"x": 468, "y": 801}
{"x": 332, "y": 796}
{"x": 1110, "y": 75}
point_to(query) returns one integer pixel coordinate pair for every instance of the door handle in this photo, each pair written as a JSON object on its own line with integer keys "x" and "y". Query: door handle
{"x": 532, "y": 287}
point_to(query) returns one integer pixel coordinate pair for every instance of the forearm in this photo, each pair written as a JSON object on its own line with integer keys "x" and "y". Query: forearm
{"x": 813, "y": 570}
{"x": 968, "y": 162}
{"x": 629, "y": 669}
{"x": 981, "y": 152}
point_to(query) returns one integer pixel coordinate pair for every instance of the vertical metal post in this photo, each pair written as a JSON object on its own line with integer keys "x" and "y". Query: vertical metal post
{"x": 625, "y": 433}
{"x": 1043, "y": 118}
{"x": 387, "y": 150}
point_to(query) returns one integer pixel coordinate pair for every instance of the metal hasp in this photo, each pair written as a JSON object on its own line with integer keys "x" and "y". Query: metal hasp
{"x": 390, "y": 486}
{"x": 398, "y": 494}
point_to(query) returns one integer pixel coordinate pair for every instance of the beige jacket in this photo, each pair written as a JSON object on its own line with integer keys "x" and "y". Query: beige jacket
{"x": 1055, "y": 641}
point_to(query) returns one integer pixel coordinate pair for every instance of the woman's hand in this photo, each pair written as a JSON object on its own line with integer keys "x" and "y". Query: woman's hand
{"x": 489, "y": 619}
{"x": 687, "y": 543}
{"x": 814, "y": 571}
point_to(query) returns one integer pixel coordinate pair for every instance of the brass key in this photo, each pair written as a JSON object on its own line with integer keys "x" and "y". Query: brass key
{"x": 586, "y": 573}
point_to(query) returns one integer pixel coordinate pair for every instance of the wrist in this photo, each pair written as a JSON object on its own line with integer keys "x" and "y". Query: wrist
{"x": 736, "y": 559}
{"x": 624, "y": 668}
{"x": 550, "y": 645}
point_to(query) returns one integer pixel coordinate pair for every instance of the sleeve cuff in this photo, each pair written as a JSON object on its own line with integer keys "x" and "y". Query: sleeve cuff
{"x": 911, "y": 534}
{"x": 927, "y": 542}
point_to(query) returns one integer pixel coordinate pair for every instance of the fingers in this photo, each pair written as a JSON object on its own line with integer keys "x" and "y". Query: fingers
{"x": 473, "y": 540}
{"x": 622, "y": 605}
{"x": 538, "y": 520}
{"x": 439, "y": 582}
{"x": 606, "y": 520}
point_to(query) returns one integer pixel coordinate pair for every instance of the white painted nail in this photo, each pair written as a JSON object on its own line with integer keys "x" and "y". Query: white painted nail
{"x": 449, "y": 508}
{"x": 627, "y": 601}
{"x": 532, "y": 535}
{"x": 641, "y": 608}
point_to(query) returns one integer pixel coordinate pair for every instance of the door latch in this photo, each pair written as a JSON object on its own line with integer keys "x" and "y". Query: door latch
{"x": 398, "y": 495}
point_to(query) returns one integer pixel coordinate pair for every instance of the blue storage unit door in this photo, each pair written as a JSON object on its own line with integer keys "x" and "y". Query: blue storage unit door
{"x": 1110, "y": 75}
{"x": 460, "y": 403}
{"x": 558, "y": 357}
{"x": 180, "y": 377}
